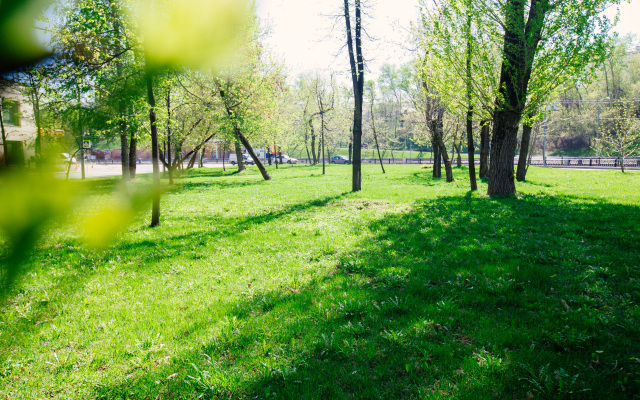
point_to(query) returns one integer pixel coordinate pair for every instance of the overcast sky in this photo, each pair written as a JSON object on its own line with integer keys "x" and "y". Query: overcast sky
{"x": 301, "y": 32}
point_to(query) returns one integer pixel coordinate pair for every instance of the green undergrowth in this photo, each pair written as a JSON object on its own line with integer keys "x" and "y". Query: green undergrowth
{"x": 296, "y": 288}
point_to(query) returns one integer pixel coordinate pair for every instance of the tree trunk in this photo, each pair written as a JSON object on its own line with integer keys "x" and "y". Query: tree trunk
{"x": 133, "y": 155}
{"x": 375, "y": 137}
{"x": 485, "y": 138}
{"x": 239, "y": 157}
{"x": 356, "y": 62}
{"x": 322, "y": 133}
{"x": 521, "y": 172}
{"x": 192, "y": 160}
{"x": 5, "y": 146}
{"x": 459, "y": 158}
{"x": 503, "y": 148}
{"x": 471, "y": 150}
{"x": 470, "y": 147}
{"x": 313, "y": 142}
{"x": 437, "y": 159}
{"x": 254, "y": 157}
{"x": 169, "y": 136}
{"x": 80, "y": 135}
{"x": 520, "y": 43}
{"x": 439, "y": 127}
{"x": 155, "y": 208}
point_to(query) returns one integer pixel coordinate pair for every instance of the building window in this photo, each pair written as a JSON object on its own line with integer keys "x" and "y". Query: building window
{"x": 10, "y": 112}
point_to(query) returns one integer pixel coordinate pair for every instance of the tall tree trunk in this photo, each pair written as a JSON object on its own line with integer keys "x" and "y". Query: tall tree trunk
{"x": 485, "y": 139}
{"x": 169, "y": 136}
{"x": 521, "y": 172}
{"x": 254, "y": 156}
{"x": 471, "y": 150}
{"x": 124, "y": 142}
{"x": 459, "y": 158}
{"x": 356, "y": 62}
{"x": 437, "y": 159}
{"x": 35, "y": 96}
{"x": 439, "y": 129}
{"x": 239, "y": 157}
{"x": 133, "y": 155}
{"x": 322, "y": 132}
{"x": 155, "y": 207}
{"x": 192, "y": 160}
{"x": 319, "y": 151}
{"x": 470, "y": 147}
{"x": 5, "y": 146}
{"x": 520, "y": 43}
{"x": 503, "y": 148}
{"x": 313, "y": 142}
{"x": 375, "y": 137}
{"x": 243, "y": 140}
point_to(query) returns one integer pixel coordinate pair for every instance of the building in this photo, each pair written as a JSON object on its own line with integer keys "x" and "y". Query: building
{"x": 18, "y": 125}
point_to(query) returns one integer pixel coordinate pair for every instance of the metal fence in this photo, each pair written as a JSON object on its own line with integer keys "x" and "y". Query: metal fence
{"x": 554, "y": 162}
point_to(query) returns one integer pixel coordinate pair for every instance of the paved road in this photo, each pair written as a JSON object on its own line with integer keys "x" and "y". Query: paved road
{"x": 101, "y": 170}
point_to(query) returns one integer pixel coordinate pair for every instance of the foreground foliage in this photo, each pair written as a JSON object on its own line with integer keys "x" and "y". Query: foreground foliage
{"x": 295, "y": 288}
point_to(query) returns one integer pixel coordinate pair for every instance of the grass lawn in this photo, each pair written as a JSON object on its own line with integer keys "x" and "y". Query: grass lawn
{"x": 298, "y": 289}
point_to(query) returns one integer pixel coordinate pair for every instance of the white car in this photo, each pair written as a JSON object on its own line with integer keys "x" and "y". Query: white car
{"x": 286, "y": 159}
{"x": 66, "y": 158}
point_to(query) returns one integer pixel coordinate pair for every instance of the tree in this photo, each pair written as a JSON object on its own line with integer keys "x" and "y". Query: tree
{"x": 460, "y": 52}
{"x": 544, "y": 43}
{"x": 623, "y": 138}
{"x": 356, "y": 61}
{"x": 370, "y": 85}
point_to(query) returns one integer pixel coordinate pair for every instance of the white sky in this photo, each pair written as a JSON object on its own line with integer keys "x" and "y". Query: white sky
{"x": 301, "y": 33}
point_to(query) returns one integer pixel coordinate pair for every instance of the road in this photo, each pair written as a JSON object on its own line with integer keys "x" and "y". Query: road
{"x": 101, "y": 170}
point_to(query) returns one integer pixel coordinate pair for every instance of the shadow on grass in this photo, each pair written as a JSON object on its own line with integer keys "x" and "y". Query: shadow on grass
{"x": 461, "y": 297}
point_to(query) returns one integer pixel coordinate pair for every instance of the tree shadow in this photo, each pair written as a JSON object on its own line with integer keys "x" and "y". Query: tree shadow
{"x": 462, "y": 297}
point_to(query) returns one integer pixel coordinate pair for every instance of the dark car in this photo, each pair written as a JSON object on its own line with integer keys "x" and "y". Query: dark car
{"x": 340, "y": 160}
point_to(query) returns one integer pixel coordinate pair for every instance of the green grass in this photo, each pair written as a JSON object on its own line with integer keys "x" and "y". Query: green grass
{"x": 298, "y": 289}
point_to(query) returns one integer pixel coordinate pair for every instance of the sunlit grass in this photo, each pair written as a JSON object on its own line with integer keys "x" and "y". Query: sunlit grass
{"x": 296, "y": 288}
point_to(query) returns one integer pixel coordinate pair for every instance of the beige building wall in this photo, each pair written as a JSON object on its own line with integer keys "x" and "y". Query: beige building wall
{"x": 25, "y": 131}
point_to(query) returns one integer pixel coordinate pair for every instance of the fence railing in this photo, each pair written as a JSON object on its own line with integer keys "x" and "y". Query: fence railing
{"x": 554, "y": 161}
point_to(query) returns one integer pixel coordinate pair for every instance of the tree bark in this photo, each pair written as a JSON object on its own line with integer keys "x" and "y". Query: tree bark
{"x": 503, "y": 148}
{"x": 485, "y": 139}
{"x": 520, "y": 42}
{"x": 322, "y": 133}
{"x": 313, "y": 142}
{"x": 133, "y": 155}
{"x": 169, "y": 136}
{"x": 521, "y": 171}
{"x": 437, "y": 159}
{"x": 239, "y": 157}
{"x": 438, "y": 125}
{"x": 470, "y": 147}
{"x": 375, "y": 137}
{"x": 155, "y": 207}
{"x": 5, "y": 146}
{"x": 356, "y": 62}
{"x": 243, "y": 140}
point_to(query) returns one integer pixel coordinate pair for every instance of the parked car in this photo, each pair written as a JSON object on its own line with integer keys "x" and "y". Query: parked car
{"x": 285, "y": 159}
{"x": 340, "y": 160}
{"x": 65, "y": 158}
